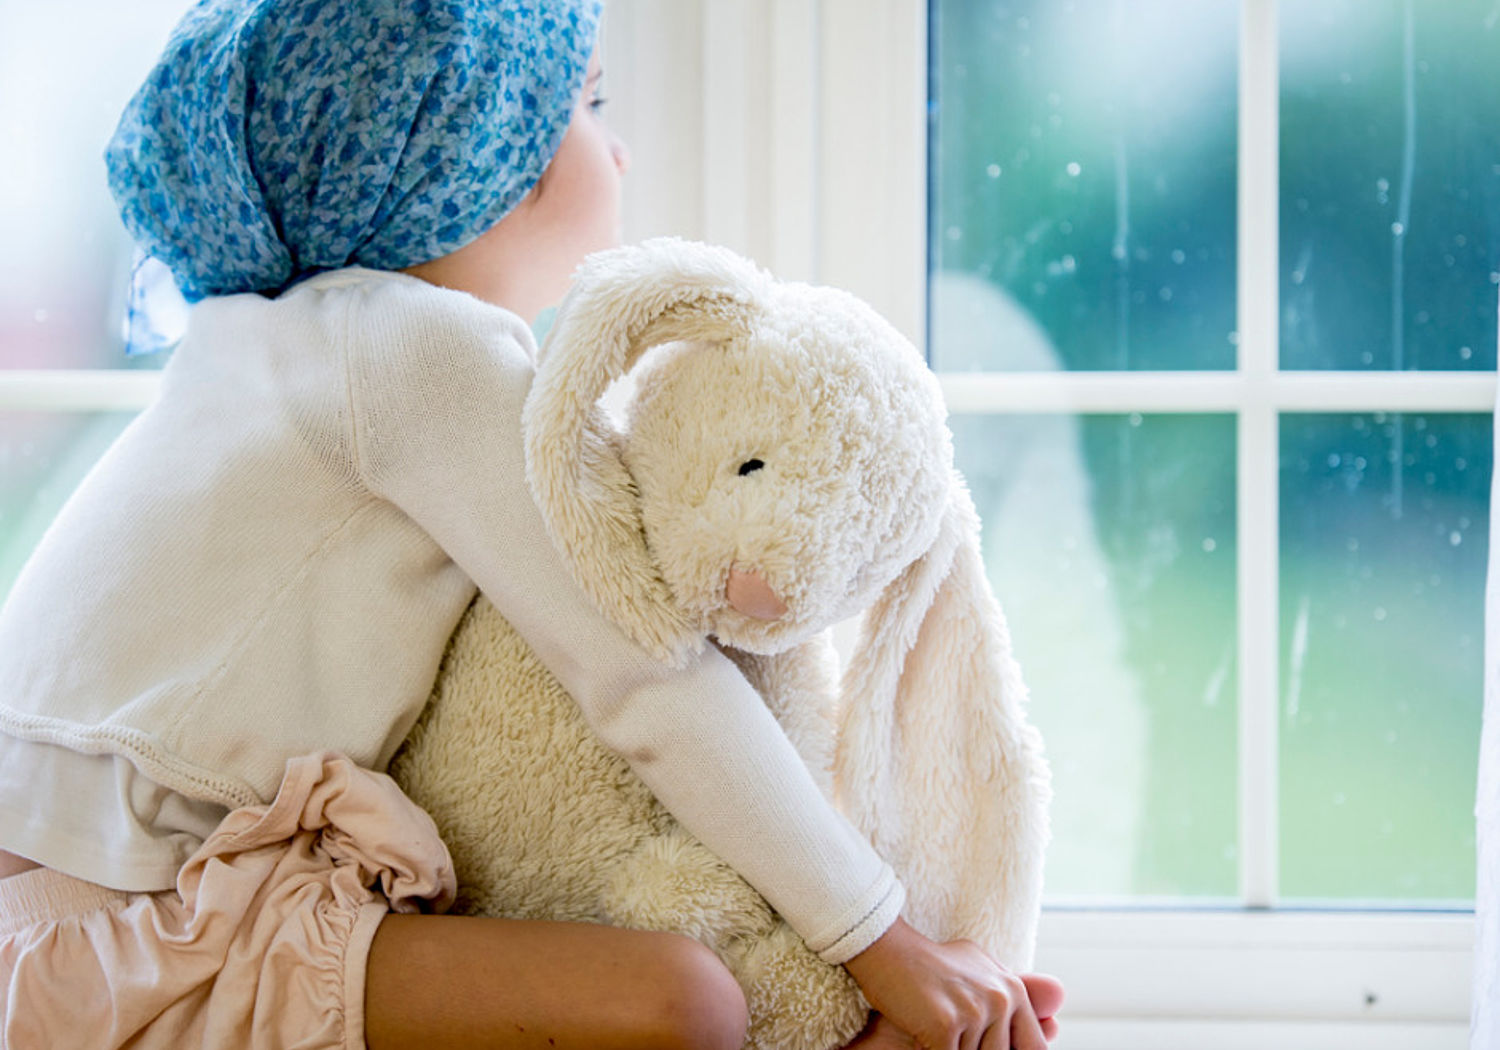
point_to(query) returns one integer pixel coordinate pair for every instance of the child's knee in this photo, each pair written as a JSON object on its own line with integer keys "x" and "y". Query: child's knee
{"x": 699, "y": 1004}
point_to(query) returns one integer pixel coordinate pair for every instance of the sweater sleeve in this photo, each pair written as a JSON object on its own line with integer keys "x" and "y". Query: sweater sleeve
{"x": 436, "y": 406}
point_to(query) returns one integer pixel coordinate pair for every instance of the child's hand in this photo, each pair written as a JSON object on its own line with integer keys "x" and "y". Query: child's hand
{"x": 953, "y": 996}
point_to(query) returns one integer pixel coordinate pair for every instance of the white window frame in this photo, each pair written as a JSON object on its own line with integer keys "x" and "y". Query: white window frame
{"x": 798, "y": 136}
{"x": 725, "y": 104}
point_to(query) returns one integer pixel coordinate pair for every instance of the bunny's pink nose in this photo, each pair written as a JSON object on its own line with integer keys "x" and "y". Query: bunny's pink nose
{"x": 748, "y": 592}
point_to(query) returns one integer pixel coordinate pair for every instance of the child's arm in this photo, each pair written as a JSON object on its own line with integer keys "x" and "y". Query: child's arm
{"x": 436, "y": 428}
{"x": 436, "y": 390}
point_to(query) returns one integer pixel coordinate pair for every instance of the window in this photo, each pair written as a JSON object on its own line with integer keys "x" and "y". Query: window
{"x": 1084, "y": 177}
{"x": 1213, "y": 286}
{"x": 1193, "y": 444}
{"x": 66, "y": 389}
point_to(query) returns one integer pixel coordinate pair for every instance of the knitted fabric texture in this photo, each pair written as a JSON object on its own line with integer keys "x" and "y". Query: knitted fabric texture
{"x": 278, "y": 138}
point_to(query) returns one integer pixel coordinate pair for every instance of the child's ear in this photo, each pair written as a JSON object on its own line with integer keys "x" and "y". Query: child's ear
{"x": 623, "y": 302}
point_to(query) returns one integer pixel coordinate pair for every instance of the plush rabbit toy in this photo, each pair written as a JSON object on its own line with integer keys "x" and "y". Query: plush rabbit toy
{"x": 784, "y": 465}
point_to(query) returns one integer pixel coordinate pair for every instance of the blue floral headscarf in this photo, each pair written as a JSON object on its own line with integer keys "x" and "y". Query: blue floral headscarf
{"x": 278, "y": 138}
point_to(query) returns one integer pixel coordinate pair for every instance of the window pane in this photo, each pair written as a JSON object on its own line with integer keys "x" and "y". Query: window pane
{"x": 1083, "y": 161}
{"x": 1390, "y": 184}
{"x": 43, "y": 457}
{"x": 1111, "y": 543}
{"x": 1382, "y": 637}
{"x": 65, "y": 75}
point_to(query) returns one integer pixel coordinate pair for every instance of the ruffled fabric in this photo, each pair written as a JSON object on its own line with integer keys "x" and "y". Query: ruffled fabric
{"x": 263, "y": 945}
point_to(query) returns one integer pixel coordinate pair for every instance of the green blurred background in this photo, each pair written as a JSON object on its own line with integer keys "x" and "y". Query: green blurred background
{"x": 1083, "y": 209}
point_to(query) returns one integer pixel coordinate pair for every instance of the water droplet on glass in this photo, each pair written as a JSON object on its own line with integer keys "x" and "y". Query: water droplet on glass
{"x": 1455, "y": 538}
{"x": 1397, "y": 229}
{"x": 1333, "y": 459}
{"x": 955, "y": 233}
{"x": 1380, "y": 613}
{"x": 1179, "y": 256}
{"x": 1340, "y": 798}
{"x": 1465, "y": 352}
{"x": 993, "y": 171}
{"x": 1209, "y": 545}
{"x": 1074, "y": 168}
{"x": 1135, "y": 419}
{"x": 1165, "y": 294}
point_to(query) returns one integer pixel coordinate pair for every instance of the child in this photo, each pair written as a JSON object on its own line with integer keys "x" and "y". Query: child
{"x": 238, "y": 616}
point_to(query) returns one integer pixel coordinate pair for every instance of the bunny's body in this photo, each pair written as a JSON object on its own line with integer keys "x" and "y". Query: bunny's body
{"x": 785, "y": 464}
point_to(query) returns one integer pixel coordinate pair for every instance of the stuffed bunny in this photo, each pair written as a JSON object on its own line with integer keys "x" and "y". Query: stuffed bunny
{"x": 784, "y": 465}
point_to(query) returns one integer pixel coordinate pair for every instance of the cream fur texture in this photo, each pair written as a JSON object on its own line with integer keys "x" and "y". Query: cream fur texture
{"x": 790, "y": 431}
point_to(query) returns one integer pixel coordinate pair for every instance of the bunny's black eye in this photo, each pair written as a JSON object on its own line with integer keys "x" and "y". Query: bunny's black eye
{"x": 750, "y": 466}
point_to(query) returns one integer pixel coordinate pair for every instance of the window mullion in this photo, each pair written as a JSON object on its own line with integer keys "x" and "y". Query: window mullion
{"x": 1257, "y": 492}
{"x": 76, "y": 390}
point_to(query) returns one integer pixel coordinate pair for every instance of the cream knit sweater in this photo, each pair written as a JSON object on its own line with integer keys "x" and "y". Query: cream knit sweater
{"x": 269, "y": 562}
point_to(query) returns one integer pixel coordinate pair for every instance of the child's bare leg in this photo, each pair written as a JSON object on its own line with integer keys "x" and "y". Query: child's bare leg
{"x": 454, "y": 982}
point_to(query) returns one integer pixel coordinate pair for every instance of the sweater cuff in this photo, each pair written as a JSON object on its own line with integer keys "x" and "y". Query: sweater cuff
{"x": 879, "y": 909}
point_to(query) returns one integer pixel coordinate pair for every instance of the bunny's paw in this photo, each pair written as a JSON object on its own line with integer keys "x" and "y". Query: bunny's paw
{"x": 797, "y": 1001}
{"x": 674, "y": 883}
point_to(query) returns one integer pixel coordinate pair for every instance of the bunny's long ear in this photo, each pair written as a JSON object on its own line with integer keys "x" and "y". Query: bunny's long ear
{"x": 935, "y": 760}
{"x": 623, "y": 302}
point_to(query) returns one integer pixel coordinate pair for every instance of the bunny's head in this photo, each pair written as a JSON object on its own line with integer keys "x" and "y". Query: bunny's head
{"x": 783, "y": 460}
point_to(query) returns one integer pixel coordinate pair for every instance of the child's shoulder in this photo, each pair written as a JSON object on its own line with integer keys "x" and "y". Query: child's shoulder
{"x": 385, "y": 312}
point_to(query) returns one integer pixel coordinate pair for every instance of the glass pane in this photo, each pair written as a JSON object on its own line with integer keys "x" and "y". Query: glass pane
{"x": 1382, "y": 639}
{"x": 1083, "y": 164}
{"x": 64, "y": 271}
{"x": 1111, "y": 544}
{"x": 43, "y": 457}
{"x": 1390, "y": 184}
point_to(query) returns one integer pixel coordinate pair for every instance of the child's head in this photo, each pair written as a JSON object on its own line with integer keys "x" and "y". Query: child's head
{"x": 276, "y": 138}
{"x": 524, "y": 260}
